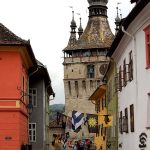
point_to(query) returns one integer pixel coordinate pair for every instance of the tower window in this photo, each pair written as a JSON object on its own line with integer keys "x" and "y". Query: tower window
{"x": 76, "y": 88}
{"x": 69, "y": 87}
{"x": 91, "y": 84}
{"x": 83, "y": 85}
{"x": 90, "y": 71}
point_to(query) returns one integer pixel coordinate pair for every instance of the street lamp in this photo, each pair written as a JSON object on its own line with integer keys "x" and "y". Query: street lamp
{"x": 30, "y": 108}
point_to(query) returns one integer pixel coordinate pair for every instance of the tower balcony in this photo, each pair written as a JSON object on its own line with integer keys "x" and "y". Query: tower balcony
{"x": 85, "y": 59}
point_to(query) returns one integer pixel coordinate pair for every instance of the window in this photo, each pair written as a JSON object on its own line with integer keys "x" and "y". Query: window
{"x": 124, "y": 73}
{"x": 120, "y": 123}
{"x": 33, "y": 96}
{"x": 90, "y": 71}
{"x": 120, "y": 79}
{"x": 76, "y": 88}
{"x": 97, "y": 106}
{"x": 132, "y": 118}
{"x": 147, "y": 45}
{"x": 32, "y": 132}
{"x": 91, "y": 84}
{"x": 84, "y": 85}
{"x": 130, "y": 67}
{"x": 125, "y": 121}
{"x": 86, "y": 53}
{"x": 69, "y": 87}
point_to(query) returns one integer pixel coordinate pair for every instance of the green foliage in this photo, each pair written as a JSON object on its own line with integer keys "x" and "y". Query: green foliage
{"x": 56, "y": 108}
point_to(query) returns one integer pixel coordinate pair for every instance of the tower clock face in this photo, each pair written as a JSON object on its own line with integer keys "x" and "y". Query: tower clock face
{"x": 103, "y": 68}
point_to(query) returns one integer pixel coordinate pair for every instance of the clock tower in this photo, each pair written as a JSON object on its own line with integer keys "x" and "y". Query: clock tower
{"x": 85, "y": 61}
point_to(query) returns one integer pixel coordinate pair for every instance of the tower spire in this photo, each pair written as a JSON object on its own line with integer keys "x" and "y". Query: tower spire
{"x": 117, "y": 20}
{"x": 80, "y": 29}
{"x": 72, "y": 39}
{"x": 73, "y": 24}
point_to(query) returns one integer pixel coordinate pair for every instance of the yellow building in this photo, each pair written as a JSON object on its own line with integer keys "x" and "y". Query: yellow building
{"x": 99, "y": 99}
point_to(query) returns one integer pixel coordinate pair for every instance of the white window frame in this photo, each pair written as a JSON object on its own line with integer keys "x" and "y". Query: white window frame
{"x": 33, "y": 96}
{"x": 32, "y": 132}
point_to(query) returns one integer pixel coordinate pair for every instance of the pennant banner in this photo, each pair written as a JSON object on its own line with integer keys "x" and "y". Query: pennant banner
{"x": 77, "y": 120}
{"x": 92, "y": 120}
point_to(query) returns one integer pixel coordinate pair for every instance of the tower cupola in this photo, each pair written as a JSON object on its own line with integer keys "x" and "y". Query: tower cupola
{"x": 97, "y": 7}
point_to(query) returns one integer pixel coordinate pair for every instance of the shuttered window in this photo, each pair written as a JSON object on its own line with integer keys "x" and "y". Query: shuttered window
{"x": 147, "y": 45}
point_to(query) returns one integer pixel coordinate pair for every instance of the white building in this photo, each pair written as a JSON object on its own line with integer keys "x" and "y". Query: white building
{"x": 131, "y": 52}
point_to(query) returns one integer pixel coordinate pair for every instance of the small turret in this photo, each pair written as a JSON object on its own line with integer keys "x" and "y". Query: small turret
{"x": 117, "y": 21}
{"x": 80, "y": 29}
{"x": 73, "y": 24}
{"x": 72, "y": 40}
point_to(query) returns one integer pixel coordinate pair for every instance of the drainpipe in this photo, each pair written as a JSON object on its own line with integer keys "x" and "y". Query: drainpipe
{"x": 127, "y": 33}
{"x": 34, "y": 72}
{"x": 134, "y": 49}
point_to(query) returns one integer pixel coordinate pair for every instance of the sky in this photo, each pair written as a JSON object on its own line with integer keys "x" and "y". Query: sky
{"x": 46, "y": 23}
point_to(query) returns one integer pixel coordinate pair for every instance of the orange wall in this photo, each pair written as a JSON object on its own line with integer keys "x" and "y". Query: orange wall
{"x": 10, "y": 74}
{"x": 10, "y": 126}
{"x": 13, "y": 112}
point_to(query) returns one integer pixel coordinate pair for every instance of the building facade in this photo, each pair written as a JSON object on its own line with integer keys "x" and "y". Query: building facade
{"x": 85, "y": 61}
{"x": 40, "y": 91}
{"x": 112, "y": 106}
{"x": 99, "y": 99}
{"x": 130, "y": 51}
{"x": 17, "y": 59}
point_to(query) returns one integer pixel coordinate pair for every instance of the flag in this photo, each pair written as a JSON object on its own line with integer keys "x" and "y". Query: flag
{"x": 77, "y": 120}
{"x": 92, "y": 120}
{"x": 106, "y": 120}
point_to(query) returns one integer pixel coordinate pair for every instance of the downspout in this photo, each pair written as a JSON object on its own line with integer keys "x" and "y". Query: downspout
{"x": 34, "y": 72}
{"x": 135, "y": 54}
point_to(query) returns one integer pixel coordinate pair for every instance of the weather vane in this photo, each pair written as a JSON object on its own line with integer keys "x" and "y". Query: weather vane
{"x": 71, "y": 7}
{"x": 119, "y": 9}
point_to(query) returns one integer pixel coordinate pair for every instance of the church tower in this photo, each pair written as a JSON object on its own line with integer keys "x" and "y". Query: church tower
{"x": 85, "y": 61}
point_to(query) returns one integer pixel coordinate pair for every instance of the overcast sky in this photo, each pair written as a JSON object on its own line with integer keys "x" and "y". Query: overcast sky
{"x": 47, "y": 24}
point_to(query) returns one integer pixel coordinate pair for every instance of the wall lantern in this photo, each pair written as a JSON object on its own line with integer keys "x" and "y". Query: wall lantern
{"x": 30, "y": 108}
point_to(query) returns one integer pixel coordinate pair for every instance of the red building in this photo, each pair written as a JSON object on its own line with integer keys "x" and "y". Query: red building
{"x": 16, "y": 62}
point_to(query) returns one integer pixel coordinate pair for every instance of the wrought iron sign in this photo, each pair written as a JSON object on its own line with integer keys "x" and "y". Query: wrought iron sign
{"x": 142, "y": 140}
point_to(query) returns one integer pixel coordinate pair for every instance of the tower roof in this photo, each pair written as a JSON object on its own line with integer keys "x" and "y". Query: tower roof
{"x": 97, "y": 33}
